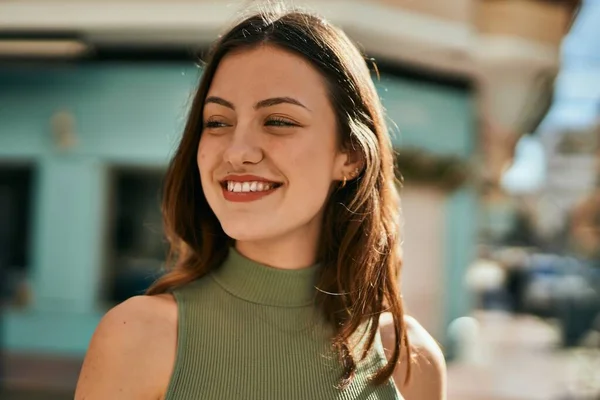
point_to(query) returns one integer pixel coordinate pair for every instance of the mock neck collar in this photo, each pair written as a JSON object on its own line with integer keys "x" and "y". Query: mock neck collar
{"x": 261, "y": 284}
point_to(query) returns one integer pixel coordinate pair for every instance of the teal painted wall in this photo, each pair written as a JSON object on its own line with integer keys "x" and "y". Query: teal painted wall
{"x": 437, "y": 118}
{"x": 132, "y": 114}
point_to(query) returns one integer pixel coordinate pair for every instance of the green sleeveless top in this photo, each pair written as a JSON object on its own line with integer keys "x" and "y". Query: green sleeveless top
{"x": 248, "y": 331}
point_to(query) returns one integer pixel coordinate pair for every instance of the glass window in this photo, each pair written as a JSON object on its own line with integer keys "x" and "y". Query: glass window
{"x": 15, "y": 220}
{"x": 136, "y": 244}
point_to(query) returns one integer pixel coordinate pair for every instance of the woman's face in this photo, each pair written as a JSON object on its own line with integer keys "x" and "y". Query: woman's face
{"x": 269, "y": 151}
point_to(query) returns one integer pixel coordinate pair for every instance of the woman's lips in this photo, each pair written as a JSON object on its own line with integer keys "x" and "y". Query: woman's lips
{"x": 241, "y": 197}
{"x": 246, "y": 188}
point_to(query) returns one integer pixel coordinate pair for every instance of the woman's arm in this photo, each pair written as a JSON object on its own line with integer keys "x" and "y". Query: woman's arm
{"x": 132, "y": 352}
{"x": 428, "y": 372}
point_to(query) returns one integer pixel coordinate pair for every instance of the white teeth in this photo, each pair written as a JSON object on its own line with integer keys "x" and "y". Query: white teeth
{"x": 247, "y": 187}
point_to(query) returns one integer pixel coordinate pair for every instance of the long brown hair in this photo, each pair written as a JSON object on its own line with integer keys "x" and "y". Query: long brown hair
{"x": 360, "y": 246}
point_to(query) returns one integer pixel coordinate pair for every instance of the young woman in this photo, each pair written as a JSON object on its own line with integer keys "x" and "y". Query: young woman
{"x": 282, "y": 211}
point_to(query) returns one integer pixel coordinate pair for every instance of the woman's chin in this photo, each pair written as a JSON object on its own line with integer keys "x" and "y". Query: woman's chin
{"x": 247, "y": 233}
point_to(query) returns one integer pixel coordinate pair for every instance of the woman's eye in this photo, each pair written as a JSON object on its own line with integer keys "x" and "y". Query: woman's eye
{"x": 214, "y": 124}
{"x": 280, "y": 122}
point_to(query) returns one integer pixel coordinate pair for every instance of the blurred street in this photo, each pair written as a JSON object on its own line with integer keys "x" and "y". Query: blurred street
{"x": 494, "y": 112}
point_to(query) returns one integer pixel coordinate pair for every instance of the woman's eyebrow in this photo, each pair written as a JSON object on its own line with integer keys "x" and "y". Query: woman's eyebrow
{"x": 279, "y": 100}
{"x": 273, "y": 101}
{"x": 220, "y": 101}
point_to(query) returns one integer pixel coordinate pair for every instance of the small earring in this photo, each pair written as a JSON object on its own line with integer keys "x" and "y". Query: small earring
{"x": 344, "y": 179}
{"x": 356, "y": 172}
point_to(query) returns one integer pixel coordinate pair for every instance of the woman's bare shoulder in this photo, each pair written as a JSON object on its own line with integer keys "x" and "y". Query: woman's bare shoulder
{"x": 132, "y": 352}
{"x": 428, "y": 365}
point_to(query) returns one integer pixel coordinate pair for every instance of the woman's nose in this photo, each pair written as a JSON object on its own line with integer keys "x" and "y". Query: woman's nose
{"x": 243, "y": 149}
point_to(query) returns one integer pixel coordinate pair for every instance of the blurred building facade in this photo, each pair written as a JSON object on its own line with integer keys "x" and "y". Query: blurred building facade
{"x": 93, "y": 96}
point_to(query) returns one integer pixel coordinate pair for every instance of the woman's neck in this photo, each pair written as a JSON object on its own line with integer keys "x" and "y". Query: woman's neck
{"x": 284, "y": 253}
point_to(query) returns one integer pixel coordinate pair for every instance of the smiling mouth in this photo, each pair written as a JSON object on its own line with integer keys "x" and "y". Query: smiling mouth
{"x": 249, "y": 186}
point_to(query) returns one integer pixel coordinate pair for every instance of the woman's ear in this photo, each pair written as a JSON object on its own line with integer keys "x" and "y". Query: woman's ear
{"x": 350, "y": 164}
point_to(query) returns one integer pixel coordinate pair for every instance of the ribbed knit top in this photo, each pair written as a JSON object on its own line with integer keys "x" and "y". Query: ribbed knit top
{"x": 249, "y": 331}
